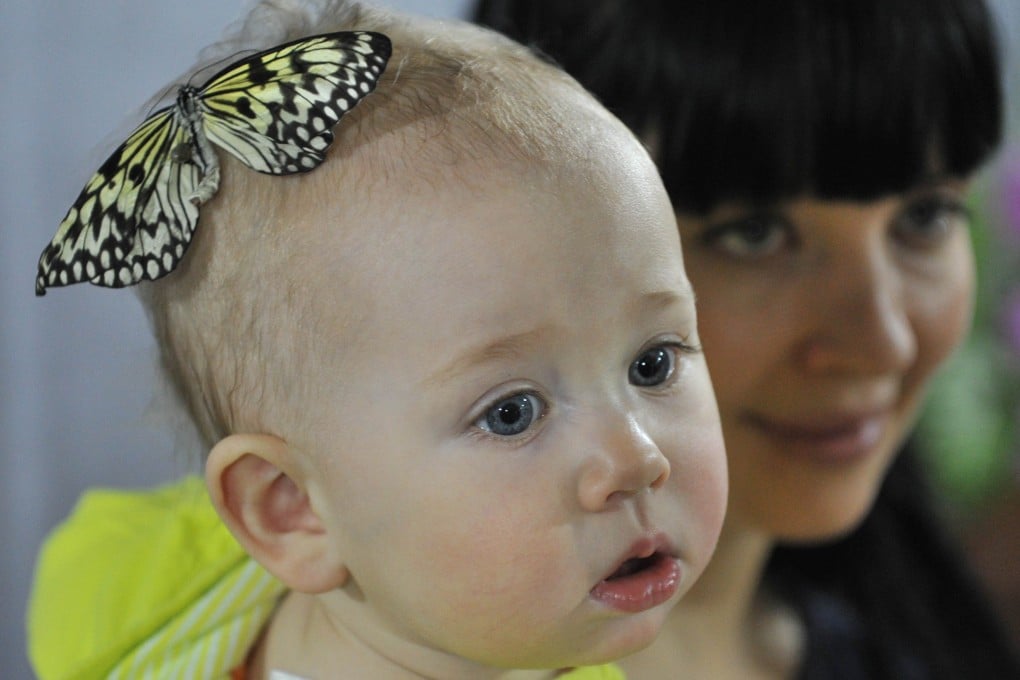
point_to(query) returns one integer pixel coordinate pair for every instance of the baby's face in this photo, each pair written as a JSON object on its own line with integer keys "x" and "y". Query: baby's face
{"x": 520, "y": 459}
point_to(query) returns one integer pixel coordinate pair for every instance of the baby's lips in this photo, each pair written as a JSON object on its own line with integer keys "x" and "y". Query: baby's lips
{"x": 648, "y": 575}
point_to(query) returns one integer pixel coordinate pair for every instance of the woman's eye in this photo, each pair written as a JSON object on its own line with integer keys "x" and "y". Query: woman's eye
{"x": 751, "y": 236}
{"x": 512, "y": 415}
{"x": 928, "y": 222}
{"x": 653, "y": 367}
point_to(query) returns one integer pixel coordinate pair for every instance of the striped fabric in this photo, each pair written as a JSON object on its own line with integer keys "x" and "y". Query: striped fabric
{"x": 212, "y": 637}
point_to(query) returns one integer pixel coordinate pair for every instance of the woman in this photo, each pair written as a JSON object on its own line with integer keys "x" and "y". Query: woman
{"x": 817, "y": 154}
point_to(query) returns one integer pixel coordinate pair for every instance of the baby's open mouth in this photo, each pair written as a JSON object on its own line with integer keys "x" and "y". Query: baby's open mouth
{"x": 640, "y": 583}
{"x": 634, "y": 565}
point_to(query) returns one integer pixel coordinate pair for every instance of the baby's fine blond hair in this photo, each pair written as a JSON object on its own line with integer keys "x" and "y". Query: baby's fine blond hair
{"x": 236, "y": 328}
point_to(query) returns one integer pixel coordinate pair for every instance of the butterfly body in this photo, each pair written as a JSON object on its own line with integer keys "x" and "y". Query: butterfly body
{"x": 196, "y": 148}
{"x": 274, "y": 111}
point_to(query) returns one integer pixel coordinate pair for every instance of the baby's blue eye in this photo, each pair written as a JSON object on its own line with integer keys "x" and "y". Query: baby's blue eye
{"x": 653, "y": 367}
{"x": 512, "y": 415}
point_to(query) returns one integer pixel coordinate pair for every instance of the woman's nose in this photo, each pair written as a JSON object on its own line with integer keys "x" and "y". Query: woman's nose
{"x": 623, "y": 461}
{"x": 864, "y": 314}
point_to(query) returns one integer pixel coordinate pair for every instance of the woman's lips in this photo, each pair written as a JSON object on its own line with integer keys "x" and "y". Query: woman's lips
{"x": 647, "y": 577}
{"x": 834, "y": 439}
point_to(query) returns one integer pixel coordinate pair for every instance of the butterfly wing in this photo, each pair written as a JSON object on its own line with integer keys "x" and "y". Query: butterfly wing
{"x": 133, "y": 218}
{"x": 167, "y": 220}
{"x": 276, "y": 109}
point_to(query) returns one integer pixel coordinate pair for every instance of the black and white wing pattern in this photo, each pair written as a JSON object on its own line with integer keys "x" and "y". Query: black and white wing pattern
{"x": 274, "y": 110}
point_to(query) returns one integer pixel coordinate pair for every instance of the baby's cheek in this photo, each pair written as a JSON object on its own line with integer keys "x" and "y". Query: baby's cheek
{"x": 500, "y": 574}
{"x": 700, "y": 474}
{"x": 709, "y": 505}
{"x": 502, "y": 540}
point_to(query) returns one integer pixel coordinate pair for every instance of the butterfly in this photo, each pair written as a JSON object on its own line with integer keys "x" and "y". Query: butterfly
{"x": 274, "y": 110}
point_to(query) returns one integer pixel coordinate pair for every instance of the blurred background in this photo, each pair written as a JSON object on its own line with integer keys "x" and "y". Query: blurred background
{"x": 970, "y": 429}
{"x": 78, "y": 370}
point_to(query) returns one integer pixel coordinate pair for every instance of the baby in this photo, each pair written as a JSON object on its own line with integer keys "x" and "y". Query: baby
{"x": 451, "y": 385}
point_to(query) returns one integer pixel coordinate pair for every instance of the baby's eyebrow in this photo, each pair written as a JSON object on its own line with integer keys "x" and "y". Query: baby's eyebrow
{"x": 508, "y": 347}
{"x": 517, "y": 345}
{"x": 664, "y": 299}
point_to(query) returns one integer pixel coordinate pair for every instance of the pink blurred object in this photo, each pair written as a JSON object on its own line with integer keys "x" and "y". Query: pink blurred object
{"x": 1011, "y": 314}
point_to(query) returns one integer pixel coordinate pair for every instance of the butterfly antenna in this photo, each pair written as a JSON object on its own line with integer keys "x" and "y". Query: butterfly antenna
{"x": 216, "y": 65}
{"x": 161, "y": 99}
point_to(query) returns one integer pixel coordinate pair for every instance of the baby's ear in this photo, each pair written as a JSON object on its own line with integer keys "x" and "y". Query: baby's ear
{"x": 268, "y": 511}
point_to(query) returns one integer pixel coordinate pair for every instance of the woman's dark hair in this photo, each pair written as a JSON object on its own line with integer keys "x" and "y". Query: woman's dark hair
{"x": 758, "y": 102}
{"x": 762, "y": 101}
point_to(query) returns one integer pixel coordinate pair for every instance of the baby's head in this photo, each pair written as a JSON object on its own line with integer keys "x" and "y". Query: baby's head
{"x": 451, "y": 378}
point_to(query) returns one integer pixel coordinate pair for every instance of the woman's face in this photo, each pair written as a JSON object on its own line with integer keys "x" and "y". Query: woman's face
{"x": 822, "y": 322}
